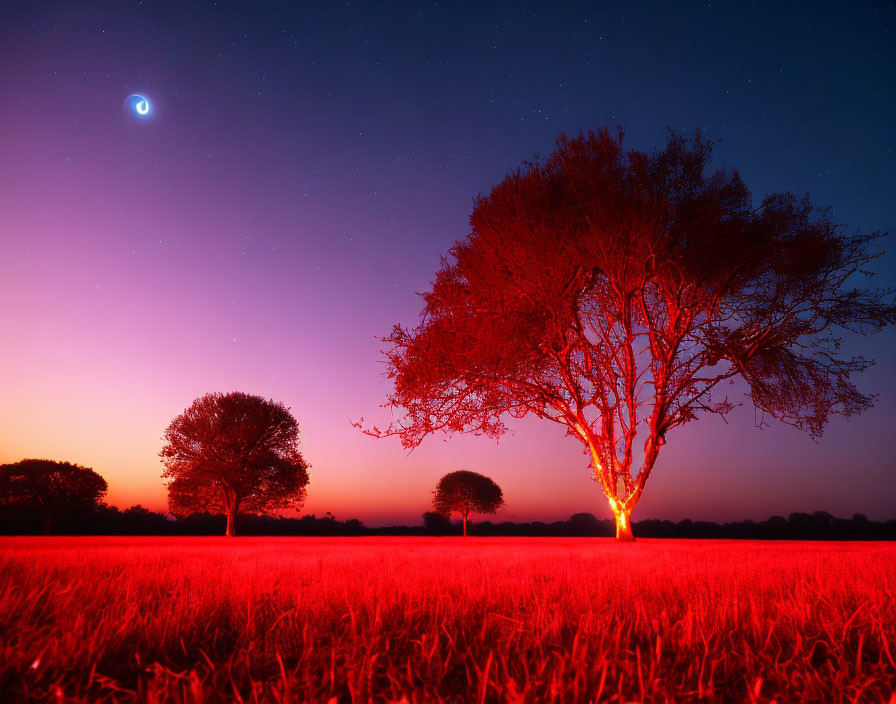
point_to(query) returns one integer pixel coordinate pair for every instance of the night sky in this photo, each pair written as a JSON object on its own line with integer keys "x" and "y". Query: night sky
{"x": 305, "y": 166}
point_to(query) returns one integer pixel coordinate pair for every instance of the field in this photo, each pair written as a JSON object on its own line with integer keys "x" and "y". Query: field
{"x": 445, "y": 619}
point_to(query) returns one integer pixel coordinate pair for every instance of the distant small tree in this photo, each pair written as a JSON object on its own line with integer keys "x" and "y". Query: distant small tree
{"x": 51, "y": 489}
{"x": 467, "y": 492}
{"x": 228, "y": 452}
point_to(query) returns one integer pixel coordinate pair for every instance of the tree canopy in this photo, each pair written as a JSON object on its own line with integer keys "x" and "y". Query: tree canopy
{"x": 232, "y": 452}
{"x": 616, "y": 292}
{"x": 466, "y": 492}
{"x": 51, "y": 489}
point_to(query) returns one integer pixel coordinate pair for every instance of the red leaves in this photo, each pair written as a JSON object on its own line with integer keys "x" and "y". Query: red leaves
{"x": 612, "y": 292}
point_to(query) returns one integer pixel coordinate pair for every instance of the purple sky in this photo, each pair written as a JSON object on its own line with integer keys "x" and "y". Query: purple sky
{"x": 303, "y": 170}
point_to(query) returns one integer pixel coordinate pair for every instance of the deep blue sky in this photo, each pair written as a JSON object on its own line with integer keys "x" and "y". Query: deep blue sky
{"x": 303, "y": 170}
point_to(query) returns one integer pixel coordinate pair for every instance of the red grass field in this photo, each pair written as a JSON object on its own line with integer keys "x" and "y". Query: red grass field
{"x": 453, "y": 620}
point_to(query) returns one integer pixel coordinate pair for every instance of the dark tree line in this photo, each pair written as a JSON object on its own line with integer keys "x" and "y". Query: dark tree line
{"x": 819, "y": 525}
{"x": 136, "y": 520}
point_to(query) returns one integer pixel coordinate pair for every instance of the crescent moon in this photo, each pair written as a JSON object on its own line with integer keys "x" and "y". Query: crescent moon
{"x": 138, "y": 105}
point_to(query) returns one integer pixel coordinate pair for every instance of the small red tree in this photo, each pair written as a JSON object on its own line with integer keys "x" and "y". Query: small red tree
{"x": 51, "y": 489}
{"x": 614, "y": 293}
{"x": 466, "y": 492}
{"x": 233, "y": 451}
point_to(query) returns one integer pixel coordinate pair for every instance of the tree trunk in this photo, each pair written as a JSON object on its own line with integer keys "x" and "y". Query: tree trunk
{"x": 465, "y": 525}
{"x": 624, "y": 526}
{"x": 47, "y": 523}
{"x": 231, "y": 507}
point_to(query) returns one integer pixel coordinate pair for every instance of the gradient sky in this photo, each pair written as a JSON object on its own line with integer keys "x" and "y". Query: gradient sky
{"x": 305, "y": 167}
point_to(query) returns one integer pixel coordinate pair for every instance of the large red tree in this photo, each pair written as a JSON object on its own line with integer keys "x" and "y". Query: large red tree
{"x": 615, "y": 292}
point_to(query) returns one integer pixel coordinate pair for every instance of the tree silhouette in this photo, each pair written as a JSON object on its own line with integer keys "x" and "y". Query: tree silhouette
{"x": 228, "y": 452}
{"x": 51, "y": 489}
{"x": 616, "y": 293}
{"x": 466, "y": 492}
